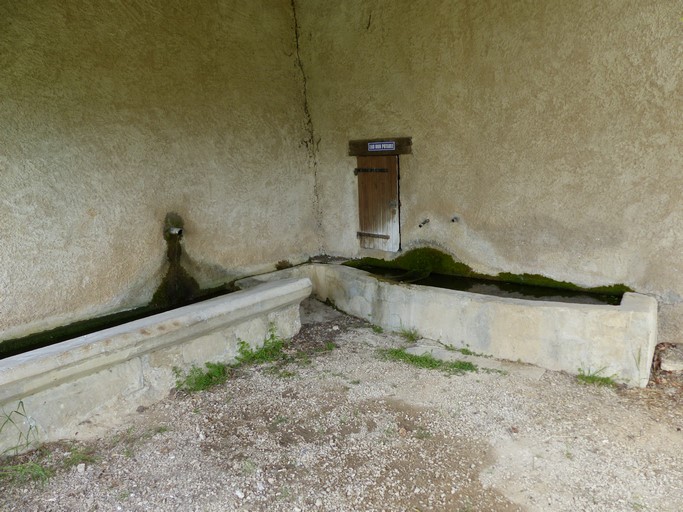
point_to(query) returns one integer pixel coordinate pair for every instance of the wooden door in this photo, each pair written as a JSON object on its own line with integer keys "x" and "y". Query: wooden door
{"x": 378, "y": 202}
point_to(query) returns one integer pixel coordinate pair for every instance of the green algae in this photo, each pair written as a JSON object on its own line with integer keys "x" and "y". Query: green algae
{"x": 427, "y": 260}
{"x": 423, "y": 260}
{"x": 49, "y": 337}
{"x": 178, "y": 288}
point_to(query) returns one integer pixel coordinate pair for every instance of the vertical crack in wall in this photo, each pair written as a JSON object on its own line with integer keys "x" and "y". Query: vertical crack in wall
{"x": 310, "y": 142}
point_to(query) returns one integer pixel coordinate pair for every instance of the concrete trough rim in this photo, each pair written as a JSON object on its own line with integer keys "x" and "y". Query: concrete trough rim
{"x": 560, "y": 336}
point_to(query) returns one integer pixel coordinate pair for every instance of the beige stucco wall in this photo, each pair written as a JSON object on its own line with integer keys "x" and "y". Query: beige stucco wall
{"x": 549, "y": 128}
{"x": 552, "y": 129}
{"x": 114, "y": 113}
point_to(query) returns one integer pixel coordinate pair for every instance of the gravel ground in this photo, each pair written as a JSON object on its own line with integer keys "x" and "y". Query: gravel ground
{"x": 346, "y": 430}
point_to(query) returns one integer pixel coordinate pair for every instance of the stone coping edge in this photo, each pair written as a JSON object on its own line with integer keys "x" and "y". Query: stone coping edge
{"x": 34, "y": 371}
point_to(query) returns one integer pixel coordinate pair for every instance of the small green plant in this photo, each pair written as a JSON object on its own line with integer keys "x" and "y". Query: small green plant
{"x": 377, "y": 329}
{"x": 428, "y": 361}
{"x": 249, "y": 467}
{"x": 272, "y": 350}
{"x": 198, "y": 379}
{"x": 279, "y": 420}
{"x": 301, "y": 357}
{"x": 410, "y": 335}
{"x": 280, "y": 372}
{"x": 466, "y": 351}
{"x": 25, "y": 472}
{"x": 594, "y": 378}
{"x": 422, "y": 433}
{"x": 16, "y": 421}
{"x": 78, "y": 456}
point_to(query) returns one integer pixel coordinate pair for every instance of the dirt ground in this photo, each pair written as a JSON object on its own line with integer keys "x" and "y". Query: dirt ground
{"x": 338, "y": 427}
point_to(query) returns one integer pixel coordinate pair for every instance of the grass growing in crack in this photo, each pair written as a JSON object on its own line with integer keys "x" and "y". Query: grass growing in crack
{"x": 595, "y": 378}
{"x": 466, "y": 351}
{"x": 377, "y": 329}
{"x": 410, "y": 335}
{"x": 428, "y": 361}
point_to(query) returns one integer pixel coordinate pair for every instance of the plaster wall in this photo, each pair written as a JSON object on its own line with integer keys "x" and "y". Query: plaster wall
{"x": 114, "y": 113}
{"x": 550, "y": 128}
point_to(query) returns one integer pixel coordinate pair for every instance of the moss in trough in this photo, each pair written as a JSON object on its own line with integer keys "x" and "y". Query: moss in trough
{"x": 425, "y": 259}
{"x": 430, "y": 260}
{"x": 546, "y": 282}
{"x": 45, "y": 338}
{"x": 50, "y": 337}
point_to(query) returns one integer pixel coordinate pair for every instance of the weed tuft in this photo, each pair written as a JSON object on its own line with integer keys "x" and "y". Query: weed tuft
{"x": 422, "y": 433}
{"x": 16, "y": 421}
{"x": 25, "y": 472}
{"x": 199, "y": 380}
{"x": 410, "y": 335}
{"x": 272, "y": 350}
{"x": 594, "y": 378}
{"x": 428, "y": 361}
{"x": 377, "y": 329}
{"x": 78, "y": 456}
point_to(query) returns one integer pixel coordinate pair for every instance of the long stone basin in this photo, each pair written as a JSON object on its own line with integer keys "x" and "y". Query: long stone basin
{"x": 612, "y": 341}
{"x": 81, "y": 387}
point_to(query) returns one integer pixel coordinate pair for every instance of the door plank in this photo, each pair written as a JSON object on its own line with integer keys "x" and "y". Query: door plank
{"x": 378, "y": 203}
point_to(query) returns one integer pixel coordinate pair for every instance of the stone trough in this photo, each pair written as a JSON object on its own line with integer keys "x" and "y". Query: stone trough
{"x": 612, "y": 341}
{"x": 76, "y": 388}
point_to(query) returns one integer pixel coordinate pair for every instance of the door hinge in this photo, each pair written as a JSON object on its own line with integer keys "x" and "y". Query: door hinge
{"x": 372, "y": 235}
{"x": 369, "y": 169}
